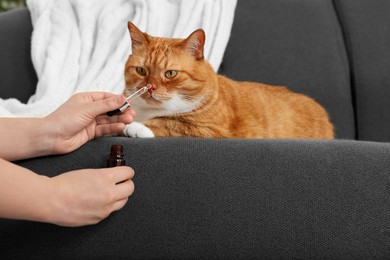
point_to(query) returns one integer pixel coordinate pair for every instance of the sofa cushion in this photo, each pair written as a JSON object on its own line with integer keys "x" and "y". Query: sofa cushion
{"x": 18, "y": 78}
{"x": 225, "y": 199}
{"x": 297, "y": 44}
{"x": 366, "y": 27}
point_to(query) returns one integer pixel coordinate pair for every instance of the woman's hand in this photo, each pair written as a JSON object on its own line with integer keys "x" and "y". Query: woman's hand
{"x": 83, "y": 117}
{"x": 75, "y": 198}
{"x": 86, "y": 197}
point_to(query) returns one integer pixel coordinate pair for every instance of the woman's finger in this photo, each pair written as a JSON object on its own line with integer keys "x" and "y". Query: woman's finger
{"x": 117, "y": 205}
{"x": 107, "y": 129}
{"x": 124, "y": 189}
{"x": 122, "y": 118}
{"x": 120, "y": 174}
{"x": 100, "y": 107}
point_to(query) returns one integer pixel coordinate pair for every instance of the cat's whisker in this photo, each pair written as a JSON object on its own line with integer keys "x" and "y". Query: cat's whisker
{"x": 161, "y": 96}
{"x": 131, "y": 89}
{"x": 188, "y": 98}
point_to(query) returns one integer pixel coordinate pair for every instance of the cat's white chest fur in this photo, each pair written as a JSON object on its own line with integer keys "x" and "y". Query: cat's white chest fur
{"x": 174, "y": 105}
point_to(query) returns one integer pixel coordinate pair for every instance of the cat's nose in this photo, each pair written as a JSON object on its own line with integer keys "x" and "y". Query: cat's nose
{"x": 153, "y": 88}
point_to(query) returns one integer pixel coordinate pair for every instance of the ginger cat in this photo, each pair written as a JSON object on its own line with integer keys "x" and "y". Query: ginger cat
{"x": 189, "y": 99}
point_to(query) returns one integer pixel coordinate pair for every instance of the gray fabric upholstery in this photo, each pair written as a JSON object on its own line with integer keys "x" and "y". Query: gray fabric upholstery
{"x": 366, "y": 28}
{"x": 297, "y": 44}
{"x": 18, "y": 78}
{"x": 234, "y": 198}
{"x": 225, "y": 199}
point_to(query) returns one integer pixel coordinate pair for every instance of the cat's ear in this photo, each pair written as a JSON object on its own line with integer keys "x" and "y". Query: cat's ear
{"x": 195, "y": 43}
{"x": 137, "y": 37}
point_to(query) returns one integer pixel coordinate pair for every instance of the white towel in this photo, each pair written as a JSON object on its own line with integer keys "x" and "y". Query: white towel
{"x": 82, "y": 45}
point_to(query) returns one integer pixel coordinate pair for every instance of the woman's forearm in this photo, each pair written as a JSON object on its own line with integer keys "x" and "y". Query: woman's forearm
{"x": 24, "y": 194}
{"x": 23, "y": 138}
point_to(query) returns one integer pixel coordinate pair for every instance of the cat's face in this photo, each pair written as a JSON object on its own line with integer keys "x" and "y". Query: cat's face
{"x": 174, "y": 67}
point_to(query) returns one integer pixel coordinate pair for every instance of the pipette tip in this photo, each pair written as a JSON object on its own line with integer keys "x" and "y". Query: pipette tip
{"x": 127, "y": 104}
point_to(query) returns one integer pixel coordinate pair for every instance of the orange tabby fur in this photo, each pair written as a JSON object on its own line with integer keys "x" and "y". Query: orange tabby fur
{"x": 217, "y": 106}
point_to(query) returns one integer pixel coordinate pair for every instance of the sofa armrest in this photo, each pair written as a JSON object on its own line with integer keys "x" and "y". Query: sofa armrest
{"x": 222, "y": 198}
{"x": 17, "y": 75}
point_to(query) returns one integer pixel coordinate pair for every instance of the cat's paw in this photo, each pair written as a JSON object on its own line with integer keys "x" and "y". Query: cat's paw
{"x": 137, "y": 129}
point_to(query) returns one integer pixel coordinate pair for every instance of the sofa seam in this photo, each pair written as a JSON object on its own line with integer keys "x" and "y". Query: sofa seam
{"x": 350, "y": 59}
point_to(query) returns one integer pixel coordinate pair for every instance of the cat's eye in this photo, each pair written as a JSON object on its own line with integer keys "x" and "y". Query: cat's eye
{"x": 141, "y": 71}
{"x": 171, "y": 74}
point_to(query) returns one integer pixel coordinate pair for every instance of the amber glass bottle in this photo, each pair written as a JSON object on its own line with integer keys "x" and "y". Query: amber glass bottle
{"x": 116, "y": 156}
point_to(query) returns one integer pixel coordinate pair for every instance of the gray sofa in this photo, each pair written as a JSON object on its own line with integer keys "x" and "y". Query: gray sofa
{"x": 242, "y": 199}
